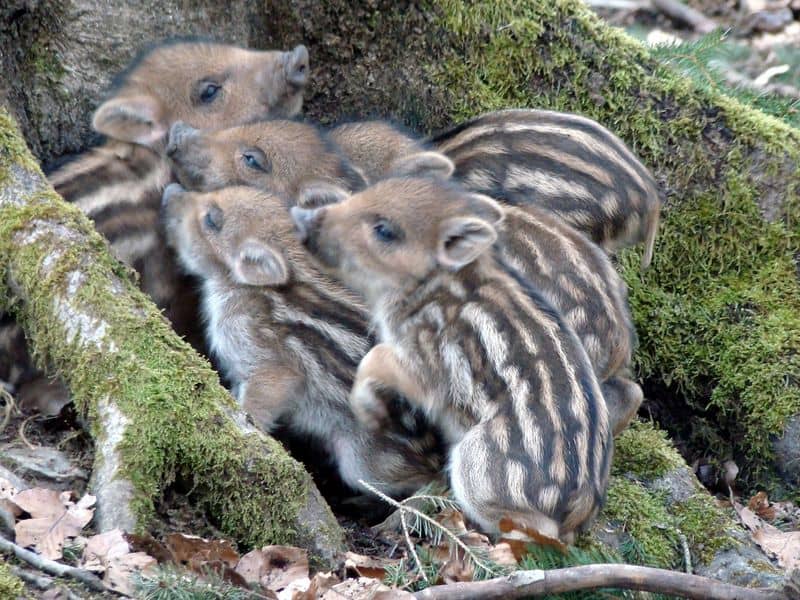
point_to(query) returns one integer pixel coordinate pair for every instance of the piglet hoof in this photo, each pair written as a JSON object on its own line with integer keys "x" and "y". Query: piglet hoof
{"x": 368, "y": 408}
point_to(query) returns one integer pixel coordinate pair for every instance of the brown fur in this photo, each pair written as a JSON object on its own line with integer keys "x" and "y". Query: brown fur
{"x": 562, "y": 264}
{"x": 278, "y": 155}
{"x": 288, "y": 337}
{"x": 566, "y": 163}
{"x": 119, "y": 183}
{"x": 492, "y": 365}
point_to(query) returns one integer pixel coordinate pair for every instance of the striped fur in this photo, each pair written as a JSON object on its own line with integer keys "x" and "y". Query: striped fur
{"x": 562, "y": 264}
{"x": 563, "y": 162}
{"x": 493, "y": 366}
{"x": 287, "y": 337}
{"x": 119, "y": 183}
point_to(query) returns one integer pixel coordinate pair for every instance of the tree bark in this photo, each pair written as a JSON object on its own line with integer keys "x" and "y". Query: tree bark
{"x": 155, "y": 408}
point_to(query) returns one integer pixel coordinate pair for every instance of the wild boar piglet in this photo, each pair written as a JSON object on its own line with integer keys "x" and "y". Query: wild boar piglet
{"x": 288, "y": 337}
{"x": 566, "y": 163}
{"x": 493, "y": 366}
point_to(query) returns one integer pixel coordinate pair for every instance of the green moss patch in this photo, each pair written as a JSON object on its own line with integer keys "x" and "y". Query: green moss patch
{"x": 645, "y": 451}
{"x": 10, "y": 586}
{"x": 717, "y": 312}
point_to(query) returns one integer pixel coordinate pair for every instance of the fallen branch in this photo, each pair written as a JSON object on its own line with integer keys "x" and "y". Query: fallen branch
{"x": 52, "y": 567}
{"x": 678, "y": 11}
{"x": 589, "y": 577}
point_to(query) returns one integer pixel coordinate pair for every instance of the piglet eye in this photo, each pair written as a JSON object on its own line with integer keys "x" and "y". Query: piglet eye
{"x": 208, "y": 92}
{"x": 213, "y": 218}
{"x": 385, "y": 232}
{"x": 255, "y": 159}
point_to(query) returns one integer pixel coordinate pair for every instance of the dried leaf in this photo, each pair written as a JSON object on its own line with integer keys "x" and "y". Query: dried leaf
{"x": 101, "y": 548}
{"x": 195, "y": 551}
{"x": 109, "y": 553}
{"x": 358, "y": 589}
{"x": 783, "y": 546}
{"x": 320, "y": 583}
{"x": 759, "y": 504}
{"x": 453, "y": 520}
{"x": 456, "y": 570}
{"x": 56, "y": 518}
{"x": 121, "y": 569}
{"x": 40, "y": 502}
{"x": 274, "y": 567}
{"x": 367, "y": 566}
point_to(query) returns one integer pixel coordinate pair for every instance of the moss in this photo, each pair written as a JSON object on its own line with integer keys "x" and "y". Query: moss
{"x": 13, "y": 150}
{"x": 704, "y": 524}
{"x": 641, "y": 514}
{"x": 644, "y": 451}
{"x": 717, "y": 313}
{"x": 170, "y": 396}
{"x": 10, "y": 586}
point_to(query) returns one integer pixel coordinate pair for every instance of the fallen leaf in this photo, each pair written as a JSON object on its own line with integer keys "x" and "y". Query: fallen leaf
{"x": 101, "y": 548}
{"x": 759, "y": 504}
{"x": 783, "y": 546}
{"x": 40, "y": 502}
{"x": 55, "y": 520}
{"x": 121, "y": 569}
{"x": 456, "y": 570}
{"x": 320, "y": 583}
{"x": 274, "y": 567}
{"x": 358, "y": 589}
{"x": 367, "y": 566}
{"x": 194, "y": 551}
{"x": 109, "y": 553}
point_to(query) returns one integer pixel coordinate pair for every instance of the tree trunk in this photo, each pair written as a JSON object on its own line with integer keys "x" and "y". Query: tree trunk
{"x": 718, "y": 313}
{"x": 156, "y": 410}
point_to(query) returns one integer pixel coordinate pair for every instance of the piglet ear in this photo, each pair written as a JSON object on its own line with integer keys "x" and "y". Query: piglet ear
{"x": 462, "y": 240}
{"x": 296, "y": 66}
{"x": 486, "y": 208}
{"x": 320, "y": 194}
{"x": 257, "y": 263}
{"x": 423, "y": 164}
{"x": 133, "y": 119}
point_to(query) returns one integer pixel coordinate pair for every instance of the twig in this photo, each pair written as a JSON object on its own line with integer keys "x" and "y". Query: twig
{"x": 22, "y": 433}
{"x": 687, "y": 553}
{"x": 52, "y": 567}
{"x": 411, "y": 548}
{"x": 679, "y": 11}
{"x": 558, "y": 581}
{"x": 421, "y": 515}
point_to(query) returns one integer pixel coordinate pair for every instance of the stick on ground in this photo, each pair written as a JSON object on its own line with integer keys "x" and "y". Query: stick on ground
{"x": 540, "y": 583}
{"x": 52, "y": 567}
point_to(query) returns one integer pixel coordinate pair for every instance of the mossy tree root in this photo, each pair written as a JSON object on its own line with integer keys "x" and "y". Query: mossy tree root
{"x": 155, "y": 408}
